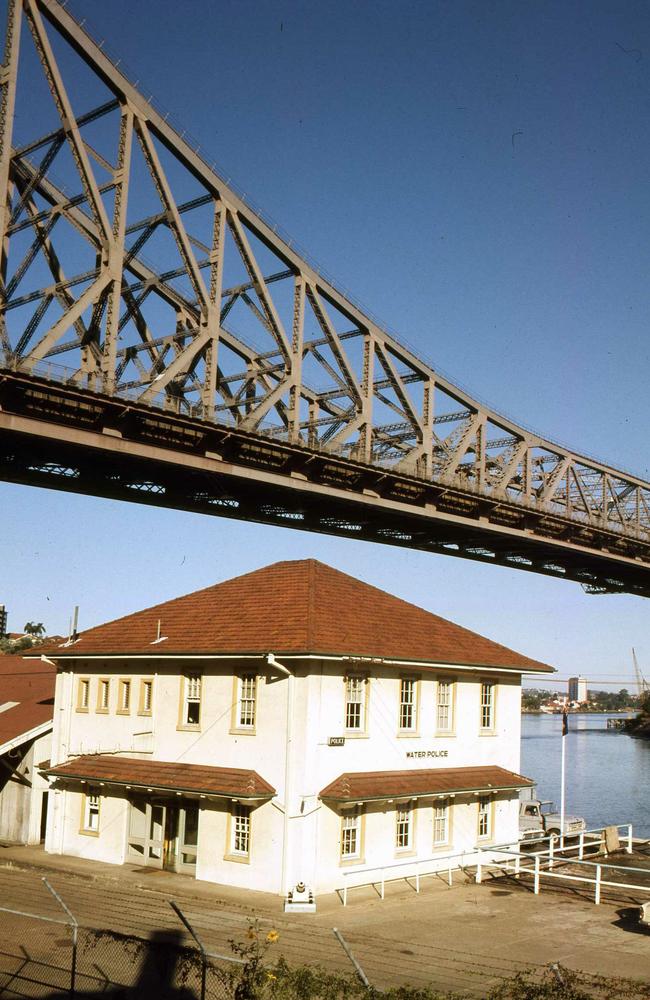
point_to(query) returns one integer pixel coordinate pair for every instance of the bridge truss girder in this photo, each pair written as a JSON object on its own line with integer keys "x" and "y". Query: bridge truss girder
{"x": 142, "y": 277}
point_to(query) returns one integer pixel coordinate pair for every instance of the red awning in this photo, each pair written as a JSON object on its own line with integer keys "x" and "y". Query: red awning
{"x": 158, "y": 775}
{"x": 364, "y": 786}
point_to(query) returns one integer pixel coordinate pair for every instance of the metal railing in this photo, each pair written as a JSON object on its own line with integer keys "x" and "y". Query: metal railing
{"x": 424, "y": 867}
{"x": 587, "y": 840}
{"x": 542, "y": 864}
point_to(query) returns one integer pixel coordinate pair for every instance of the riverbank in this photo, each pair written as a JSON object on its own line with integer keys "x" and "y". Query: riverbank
{"x": 639, "y": 727}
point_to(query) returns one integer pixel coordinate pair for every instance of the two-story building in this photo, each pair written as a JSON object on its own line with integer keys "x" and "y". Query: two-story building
{"x": 292, "y": 724}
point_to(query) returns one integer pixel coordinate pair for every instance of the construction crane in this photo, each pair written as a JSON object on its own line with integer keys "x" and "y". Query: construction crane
{"x": 642, "y": 683}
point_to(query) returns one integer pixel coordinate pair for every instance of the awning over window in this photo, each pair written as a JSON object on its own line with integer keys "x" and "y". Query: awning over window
{"x": 164, "y": 776}
{"x": 365, "y": 786}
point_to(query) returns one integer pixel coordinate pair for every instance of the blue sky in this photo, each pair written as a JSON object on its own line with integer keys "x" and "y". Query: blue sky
{"x": 477, "y": 173}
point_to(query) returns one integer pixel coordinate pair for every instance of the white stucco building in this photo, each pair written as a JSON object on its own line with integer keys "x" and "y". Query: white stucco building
{"x": 292, "y": 724}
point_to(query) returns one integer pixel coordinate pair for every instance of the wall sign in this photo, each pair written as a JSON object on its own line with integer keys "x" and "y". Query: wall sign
{"x": 427, "y": 753}
{"x": 336, "y": 741}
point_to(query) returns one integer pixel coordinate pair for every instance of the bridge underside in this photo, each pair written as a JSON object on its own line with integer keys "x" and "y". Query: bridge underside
{"x": 61, "y": 438}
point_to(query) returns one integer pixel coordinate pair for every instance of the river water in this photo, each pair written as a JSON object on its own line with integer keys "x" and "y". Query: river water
{"x": 607, "y": 773}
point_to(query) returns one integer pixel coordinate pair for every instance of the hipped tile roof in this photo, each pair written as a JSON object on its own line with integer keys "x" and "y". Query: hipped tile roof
{"x": 292, "y": 608}
{"x": 227, "y": 782}
{"x": 367, "y": 785}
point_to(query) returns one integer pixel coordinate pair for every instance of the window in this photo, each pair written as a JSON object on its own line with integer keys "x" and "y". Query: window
{"x": 103, "y": 694}
{"x": 124, "y": 700}
{"x": 146, "y": 697}
{"x": 355, "y": 702}
{"x": 404, "y": 827}
{"x": 241, "y": 830}
{"x": 246, "y": 701}
{"x": 445, "y": 707}
{"x": 83, "y": 694}
{"x": 407, "y": 704}
{"x": 90, "y": 816}
{"x": 191, "y": 705}
{"x": 484, "y": 817}
{"x": 441, "y": 823}
{"x": 350, "y": 835}
{"x": 487, "y": 705}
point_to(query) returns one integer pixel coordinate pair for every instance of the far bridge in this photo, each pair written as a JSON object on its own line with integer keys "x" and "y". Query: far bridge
{"x": 162, "y": 342}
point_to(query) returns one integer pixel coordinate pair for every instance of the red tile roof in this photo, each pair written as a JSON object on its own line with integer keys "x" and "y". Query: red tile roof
{"x": 25, "y": 680}
{"x": 30, "y": 683}
{"x": 22, "y": 719}
{"x": 292, "y": 608}
{"x": 365, "y": 785}
{"x": 229, "y": 782}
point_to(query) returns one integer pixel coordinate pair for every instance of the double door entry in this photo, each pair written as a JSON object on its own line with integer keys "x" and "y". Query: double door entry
{"x": 163, "y": 834}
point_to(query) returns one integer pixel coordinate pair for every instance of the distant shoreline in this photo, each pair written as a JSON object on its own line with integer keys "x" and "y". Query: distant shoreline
{"x": 579, "y": 711}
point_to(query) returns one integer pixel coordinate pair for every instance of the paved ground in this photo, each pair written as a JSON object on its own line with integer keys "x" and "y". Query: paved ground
{"x": 464, "y": 937}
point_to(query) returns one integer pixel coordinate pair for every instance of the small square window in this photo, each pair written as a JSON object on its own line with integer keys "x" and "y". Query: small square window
{"x": 355, "y": 702}
{"x": 407, "y": 704}
{"x": 445, "y": 707}
{"x": 241, "y": 831}
{"x": 90, "y": 820}
{"x": 146, "y": 697}
{"x": 104, "y": 694}
{"x": 484, "y": 817}
{"x": 350, "y": 835}
{"x": 441, "y": 823}
{"x": 83, "y": 694}
{"x": 247, "y": 701}
{"x": 487, "y": 704}
{"x": 191, "y": 705}
{"x": 404, "y": 827}
{"x": 124, "y": 697}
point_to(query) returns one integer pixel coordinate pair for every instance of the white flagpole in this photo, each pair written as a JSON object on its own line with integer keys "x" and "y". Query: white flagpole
{"x": 565, "y": 729}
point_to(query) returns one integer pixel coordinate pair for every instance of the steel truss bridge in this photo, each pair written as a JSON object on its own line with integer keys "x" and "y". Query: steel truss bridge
{"x": 161, "y": 342}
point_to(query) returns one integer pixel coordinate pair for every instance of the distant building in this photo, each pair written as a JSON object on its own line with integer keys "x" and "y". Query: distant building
{"x": 578, "y": 689}
{"x": 3, "y": 621}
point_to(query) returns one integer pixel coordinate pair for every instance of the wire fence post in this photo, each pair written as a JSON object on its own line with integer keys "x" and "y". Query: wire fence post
{"x": 190, "y": 930}
{"x": 597, "y": 893}
{"x": 537, "y": 874}
{"x": 479, "y": 871}
{"x": 581, "y": 848}
{"x": 348, "y": 951}
{"x": 629, "y": 838}
{"x": 551, "y": 852}
{"x": 75, "y": 936}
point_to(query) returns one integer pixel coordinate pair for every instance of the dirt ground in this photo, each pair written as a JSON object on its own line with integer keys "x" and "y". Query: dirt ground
{"x": 466, "y": 937}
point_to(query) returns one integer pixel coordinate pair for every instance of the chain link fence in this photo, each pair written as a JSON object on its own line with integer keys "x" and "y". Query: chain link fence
{"x": 48, "y": 956}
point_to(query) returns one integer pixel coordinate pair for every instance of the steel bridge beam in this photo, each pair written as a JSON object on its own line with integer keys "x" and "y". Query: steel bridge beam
{"x": 233, "y": 337}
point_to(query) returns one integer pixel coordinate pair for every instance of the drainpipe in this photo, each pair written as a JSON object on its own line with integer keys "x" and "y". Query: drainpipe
{"x": 272, "y": 662}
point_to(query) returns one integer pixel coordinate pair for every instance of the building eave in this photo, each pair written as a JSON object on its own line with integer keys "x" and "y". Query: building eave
{"x": 350, "y": 658}
{"x": 31, "y": 734}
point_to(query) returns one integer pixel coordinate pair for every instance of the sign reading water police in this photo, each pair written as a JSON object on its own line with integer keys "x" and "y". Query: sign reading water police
{"x": 427, "y": 753}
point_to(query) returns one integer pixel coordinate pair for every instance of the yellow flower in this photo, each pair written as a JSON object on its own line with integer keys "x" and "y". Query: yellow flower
{"x": 271, "y": 976}
{"x": 272, "y": 937}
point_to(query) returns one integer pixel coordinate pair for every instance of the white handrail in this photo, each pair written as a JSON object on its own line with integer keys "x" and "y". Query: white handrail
{"x": 554, "y": 854}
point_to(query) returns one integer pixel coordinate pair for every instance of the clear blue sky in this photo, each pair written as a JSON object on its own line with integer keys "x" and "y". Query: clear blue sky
{"x": 477, "y": 173}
